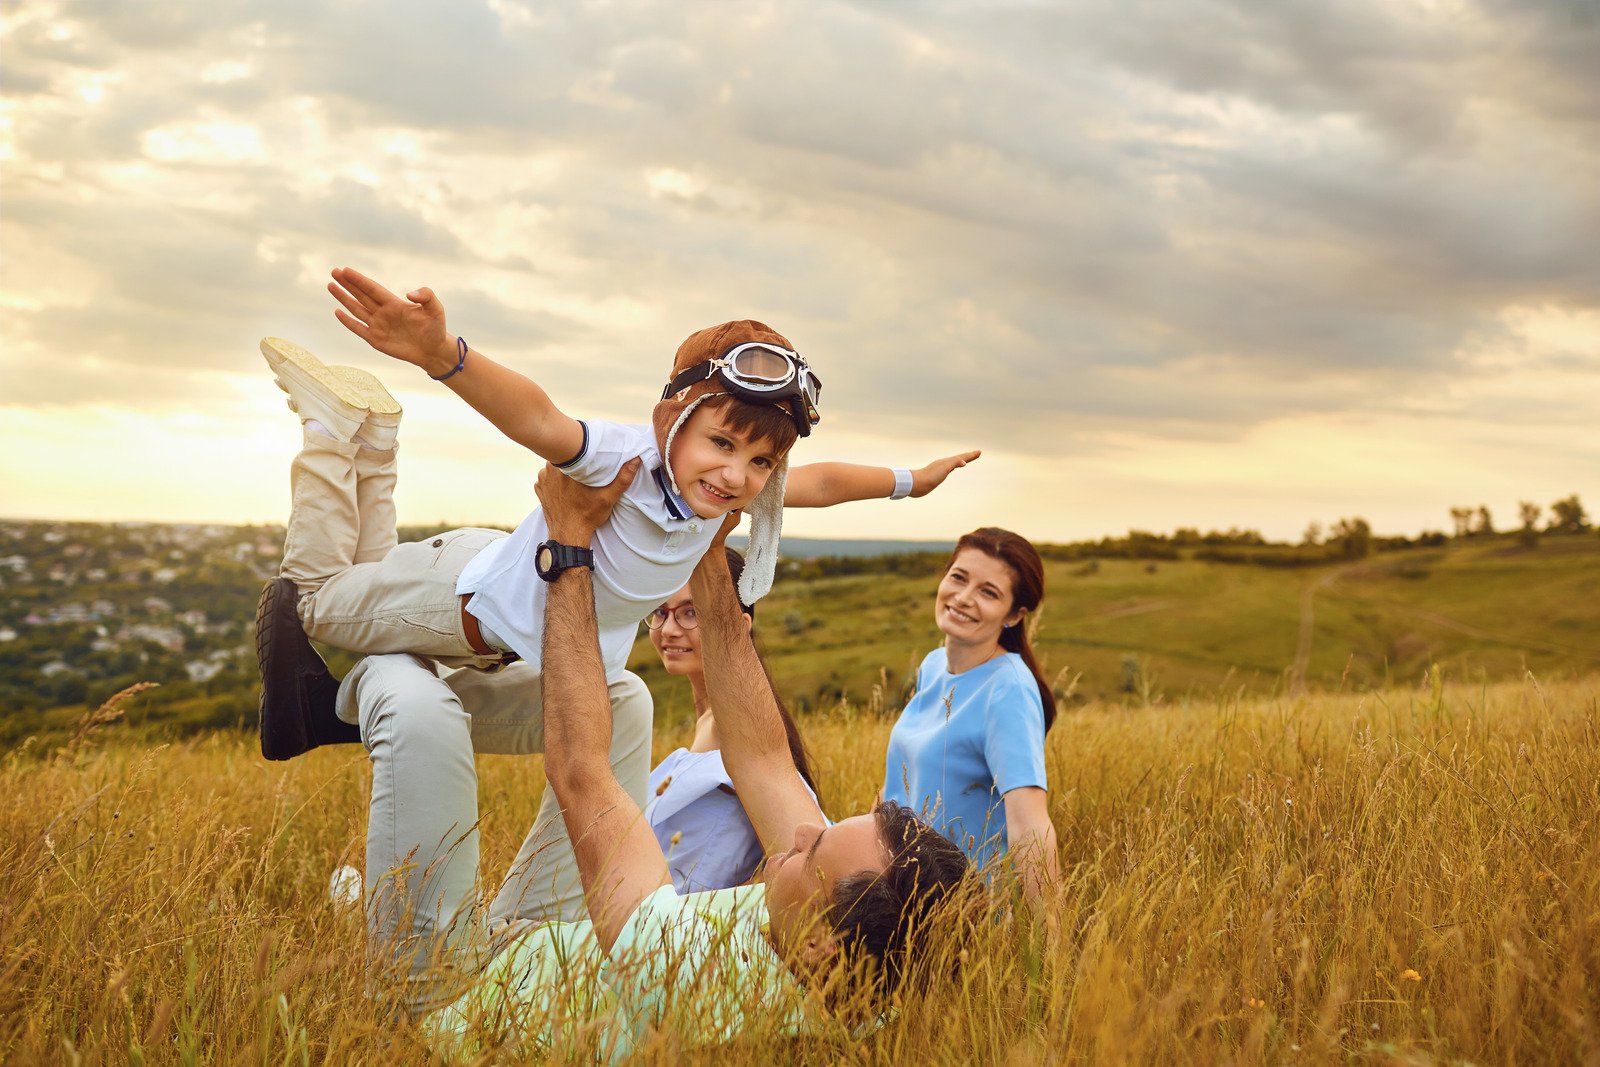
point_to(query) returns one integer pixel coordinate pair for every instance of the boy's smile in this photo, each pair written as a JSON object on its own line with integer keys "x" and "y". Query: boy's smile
{"x": 717, "y": 467}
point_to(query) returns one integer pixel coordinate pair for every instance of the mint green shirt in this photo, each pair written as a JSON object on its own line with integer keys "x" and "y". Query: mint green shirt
{"x": 698, "y": 966}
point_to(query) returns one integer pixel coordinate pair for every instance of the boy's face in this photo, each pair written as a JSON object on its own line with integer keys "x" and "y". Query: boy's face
{"x": 719, "y": 468}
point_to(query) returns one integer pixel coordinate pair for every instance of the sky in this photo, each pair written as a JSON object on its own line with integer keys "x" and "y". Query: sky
{"x": 1210, "y": 263}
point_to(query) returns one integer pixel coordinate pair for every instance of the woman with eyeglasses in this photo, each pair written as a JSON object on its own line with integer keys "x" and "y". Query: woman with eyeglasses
{"x": 693, "y": 809}
{"x": 967, "y": 752}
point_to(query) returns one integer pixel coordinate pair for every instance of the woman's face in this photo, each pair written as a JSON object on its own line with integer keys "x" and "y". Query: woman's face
{"x": 676, "y": 643}
{"x": 973, "y": 602}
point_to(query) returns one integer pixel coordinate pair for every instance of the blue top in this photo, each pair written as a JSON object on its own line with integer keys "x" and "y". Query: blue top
{"x": 692, "y": 798}
{"x": 952, "y": 765}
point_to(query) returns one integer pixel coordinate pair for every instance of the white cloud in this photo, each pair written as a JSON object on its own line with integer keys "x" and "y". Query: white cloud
{"x": 1052, "y": 230}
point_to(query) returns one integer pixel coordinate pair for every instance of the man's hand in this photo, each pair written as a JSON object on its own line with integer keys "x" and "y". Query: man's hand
{"x": 730, "y": 523}
{"x": 410, "y": 328}
{"x": 574, "y": 511}
{"x": 929, "y": 478}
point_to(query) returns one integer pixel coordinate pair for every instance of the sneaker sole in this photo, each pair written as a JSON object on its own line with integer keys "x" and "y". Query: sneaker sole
{"x": 295, "y": 683}
{"x": 286, "y": 357}
{"x": 381, "y": 406}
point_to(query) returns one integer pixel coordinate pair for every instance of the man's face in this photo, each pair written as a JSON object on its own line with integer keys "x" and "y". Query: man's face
{"x": 718, "y": 468}
{"x": 800, "y": 882}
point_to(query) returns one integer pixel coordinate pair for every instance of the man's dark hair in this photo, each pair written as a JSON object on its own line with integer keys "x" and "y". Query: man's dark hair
{"x": 881, "y": 913}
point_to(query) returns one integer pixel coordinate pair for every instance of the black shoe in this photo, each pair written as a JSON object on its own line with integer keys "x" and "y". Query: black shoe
{"x": 297, "y": 689}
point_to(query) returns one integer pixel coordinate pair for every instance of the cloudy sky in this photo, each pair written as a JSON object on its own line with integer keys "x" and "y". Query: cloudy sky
{"x": 1201, "y": 263}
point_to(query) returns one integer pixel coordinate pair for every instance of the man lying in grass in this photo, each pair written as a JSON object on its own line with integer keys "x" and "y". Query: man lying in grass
{"x": 702, "y": 968}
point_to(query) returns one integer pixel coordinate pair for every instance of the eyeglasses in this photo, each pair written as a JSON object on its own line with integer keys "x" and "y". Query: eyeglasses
{"x": 761, "y": 374}
{"x": 683, "y": 615}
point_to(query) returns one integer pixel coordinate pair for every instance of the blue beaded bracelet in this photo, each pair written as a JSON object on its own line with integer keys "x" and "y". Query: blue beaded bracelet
{"x": 461, "y": 347}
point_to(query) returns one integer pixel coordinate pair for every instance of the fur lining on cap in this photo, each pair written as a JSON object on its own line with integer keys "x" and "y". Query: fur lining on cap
{"x": 766, "y": 531}
{"x": 666, "y": 447}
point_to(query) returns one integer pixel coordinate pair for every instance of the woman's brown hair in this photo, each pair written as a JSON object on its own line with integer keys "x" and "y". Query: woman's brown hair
{"x": 1027, "y": 591}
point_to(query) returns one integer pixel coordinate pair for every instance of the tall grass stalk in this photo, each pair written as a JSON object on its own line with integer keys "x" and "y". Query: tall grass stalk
{"x": 1407, "y": 875}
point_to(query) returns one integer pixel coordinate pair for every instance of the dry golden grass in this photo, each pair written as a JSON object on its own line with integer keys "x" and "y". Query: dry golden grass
{"x": 1405, "y": 876}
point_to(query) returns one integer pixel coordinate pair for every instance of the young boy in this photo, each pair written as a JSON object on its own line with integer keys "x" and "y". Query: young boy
{"x": 737, "y": 399}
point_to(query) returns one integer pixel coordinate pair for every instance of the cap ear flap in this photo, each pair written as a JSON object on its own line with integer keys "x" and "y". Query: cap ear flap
{"x": 766, "y": 530}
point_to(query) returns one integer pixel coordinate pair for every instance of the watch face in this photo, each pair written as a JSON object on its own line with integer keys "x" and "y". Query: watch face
{"x": 545, "y": 559}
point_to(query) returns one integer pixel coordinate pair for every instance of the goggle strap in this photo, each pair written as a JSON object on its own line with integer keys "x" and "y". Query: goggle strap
{"x": 698, "y": 373}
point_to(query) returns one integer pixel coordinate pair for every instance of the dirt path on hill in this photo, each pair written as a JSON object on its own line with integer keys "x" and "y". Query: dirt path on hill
{"x": 1302, "y": 647}
{"x": 1302, "y": 651}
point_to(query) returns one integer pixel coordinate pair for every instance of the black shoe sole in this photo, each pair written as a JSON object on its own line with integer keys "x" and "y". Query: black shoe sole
{"x": 297, "y": 690}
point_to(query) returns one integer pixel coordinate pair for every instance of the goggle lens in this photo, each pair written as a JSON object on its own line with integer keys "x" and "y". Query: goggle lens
{"x": 761, "y": 364}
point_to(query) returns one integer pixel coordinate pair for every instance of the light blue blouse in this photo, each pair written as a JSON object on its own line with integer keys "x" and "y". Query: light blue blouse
{"x": 692, "y": 798}
{"x": 716, "y": 846}
{"x": 962, "y": 743}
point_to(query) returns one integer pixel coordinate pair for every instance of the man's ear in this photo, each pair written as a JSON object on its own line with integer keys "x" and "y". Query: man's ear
{"x": 820, "y": 945}
{"x": 749, "y": 621}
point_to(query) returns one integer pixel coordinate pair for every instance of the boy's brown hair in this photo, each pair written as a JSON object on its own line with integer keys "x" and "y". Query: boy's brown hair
{"x": 757, "y": 422}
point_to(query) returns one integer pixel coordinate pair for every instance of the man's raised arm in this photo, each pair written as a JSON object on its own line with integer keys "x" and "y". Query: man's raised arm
{"x": 619, "y": 860}
{"x": 755, "y": 748}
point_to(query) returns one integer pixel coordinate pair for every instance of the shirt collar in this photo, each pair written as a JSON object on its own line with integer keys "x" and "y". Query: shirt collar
{"x": 676, "y": 506}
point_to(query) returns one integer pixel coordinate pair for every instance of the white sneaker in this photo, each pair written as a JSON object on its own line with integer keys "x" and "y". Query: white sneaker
{"x": 381, "y": 428}
{"x": 344, "y": 887}
{"x": 316, "y": 394}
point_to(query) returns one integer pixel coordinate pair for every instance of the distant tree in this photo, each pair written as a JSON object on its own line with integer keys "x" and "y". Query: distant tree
{"x": 1485, "y": 525}
{"x": 1462, "y": 517}
{"x": 1567, "y": 516}
{"x": 1353, "y": 537}
{"x": 1529, "y": 534}
{"x": 1313, "y": 534}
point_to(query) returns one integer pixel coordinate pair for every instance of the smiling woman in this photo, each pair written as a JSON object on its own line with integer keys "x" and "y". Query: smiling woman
{"x": 968, "y": 750}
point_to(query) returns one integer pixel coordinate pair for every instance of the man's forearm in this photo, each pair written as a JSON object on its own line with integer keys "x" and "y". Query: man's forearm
{"x": 747, "y": 715}
{"x": 577, "y": 712}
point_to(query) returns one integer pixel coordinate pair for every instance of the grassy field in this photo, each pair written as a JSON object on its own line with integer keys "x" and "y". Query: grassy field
{"x": 1401, "y": 875}
{"x": 1482, "y": 609}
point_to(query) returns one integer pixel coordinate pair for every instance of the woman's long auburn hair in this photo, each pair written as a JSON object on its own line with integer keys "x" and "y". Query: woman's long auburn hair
{"x": 1027, "y": 592}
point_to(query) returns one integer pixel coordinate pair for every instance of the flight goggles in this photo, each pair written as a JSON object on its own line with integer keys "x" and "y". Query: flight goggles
{"x": 760, "y": 373}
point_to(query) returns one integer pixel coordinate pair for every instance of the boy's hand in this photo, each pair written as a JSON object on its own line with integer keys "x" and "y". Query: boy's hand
{"x": 409, "y": 329}
{"x": 573, "y": 510}
{"x": 932, "y": 476}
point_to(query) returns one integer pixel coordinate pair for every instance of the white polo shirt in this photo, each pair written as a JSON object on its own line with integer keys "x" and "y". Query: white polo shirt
{"x": 642, "y": 555}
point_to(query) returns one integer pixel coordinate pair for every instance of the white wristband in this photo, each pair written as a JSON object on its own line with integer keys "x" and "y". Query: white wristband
{"x": 902, "y": 484}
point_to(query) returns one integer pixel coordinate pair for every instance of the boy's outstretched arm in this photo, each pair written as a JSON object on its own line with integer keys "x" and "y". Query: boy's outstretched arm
{"x": 821, "y": 485}
{"x": 412, "y": 329}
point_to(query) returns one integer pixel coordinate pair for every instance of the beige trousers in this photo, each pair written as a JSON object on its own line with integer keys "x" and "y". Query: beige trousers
{"x": 422, "y": 726}
{"x": 359, "y": 589}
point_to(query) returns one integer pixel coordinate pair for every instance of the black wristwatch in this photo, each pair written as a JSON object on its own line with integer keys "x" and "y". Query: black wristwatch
{"x": 552, "y": 557}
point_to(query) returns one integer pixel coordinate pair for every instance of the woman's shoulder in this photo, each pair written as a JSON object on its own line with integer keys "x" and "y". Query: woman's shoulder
{"x": 1013, "y": 680}
{"x": 934, "y": 663}
{"x": 684, "y": 778}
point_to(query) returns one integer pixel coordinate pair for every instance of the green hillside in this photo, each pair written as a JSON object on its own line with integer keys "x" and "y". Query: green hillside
{"x": 89, "y": 609}
{"x": 1479, "y": 608}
